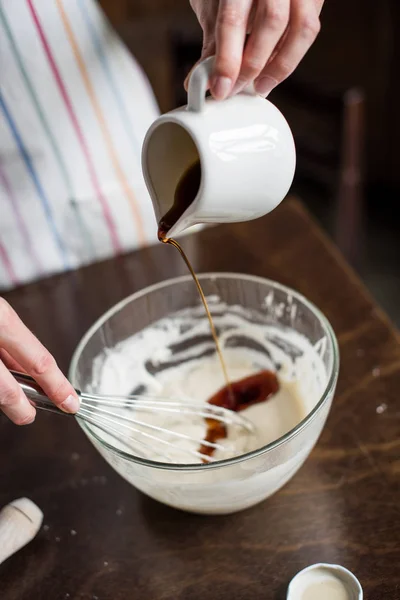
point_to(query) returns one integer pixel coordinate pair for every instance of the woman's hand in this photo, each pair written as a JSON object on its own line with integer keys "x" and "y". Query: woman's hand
{"x": 21, "y": 350}
{"x": 279, "y": 33}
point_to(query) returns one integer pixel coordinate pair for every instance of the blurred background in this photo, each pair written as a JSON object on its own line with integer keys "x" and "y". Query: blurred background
{"x": 342, "y": 105}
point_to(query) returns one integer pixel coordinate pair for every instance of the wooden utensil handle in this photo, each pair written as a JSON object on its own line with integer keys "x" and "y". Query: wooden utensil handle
{"x": 19, "y": 523}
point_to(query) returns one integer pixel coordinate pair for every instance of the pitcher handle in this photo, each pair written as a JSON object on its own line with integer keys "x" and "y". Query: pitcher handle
{"x": 198, "y": 84}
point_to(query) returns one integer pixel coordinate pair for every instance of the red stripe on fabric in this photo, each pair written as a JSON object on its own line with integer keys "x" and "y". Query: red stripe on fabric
{"x": 61, "y": 86}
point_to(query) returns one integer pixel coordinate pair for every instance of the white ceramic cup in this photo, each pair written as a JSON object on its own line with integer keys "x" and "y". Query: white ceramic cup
{"x": 246, "y": 152}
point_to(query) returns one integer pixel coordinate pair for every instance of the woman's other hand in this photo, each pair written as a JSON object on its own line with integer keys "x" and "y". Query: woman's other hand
{"x": 21, "y": 350}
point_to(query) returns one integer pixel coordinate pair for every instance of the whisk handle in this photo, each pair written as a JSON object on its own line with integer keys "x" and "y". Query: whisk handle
{"x": 35, "y": 393}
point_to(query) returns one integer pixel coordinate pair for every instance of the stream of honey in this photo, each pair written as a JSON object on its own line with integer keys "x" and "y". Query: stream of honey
{"x": 236, "y": 395}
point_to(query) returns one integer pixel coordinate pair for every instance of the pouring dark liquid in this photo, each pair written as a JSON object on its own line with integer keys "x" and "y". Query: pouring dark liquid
{"x": 236, "y": 395}
{"x": 185, "y": 193}
{"x": 203, "y": 299}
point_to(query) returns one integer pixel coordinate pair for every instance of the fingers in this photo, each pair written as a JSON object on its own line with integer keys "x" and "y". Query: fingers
{"x": 303, "y": 28}
{"x": 280, "y": 33}
{"x": 13, "y": 401}
{"x": 230, "y": 34}
{"x": 25, "y": 348}
{"x": 270, "y": 22}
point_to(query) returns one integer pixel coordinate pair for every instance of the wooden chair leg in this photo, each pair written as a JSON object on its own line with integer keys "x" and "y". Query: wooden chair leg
{"x": 348, "y": 234}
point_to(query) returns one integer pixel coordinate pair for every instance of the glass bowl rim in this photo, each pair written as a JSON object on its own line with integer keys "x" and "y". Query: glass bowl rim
{"x": 291, "y": 434}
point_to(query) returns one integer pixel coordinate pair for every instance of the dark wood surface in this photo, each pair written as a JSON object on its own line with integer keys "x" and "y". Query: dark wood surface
{"x": 102, "y": 539}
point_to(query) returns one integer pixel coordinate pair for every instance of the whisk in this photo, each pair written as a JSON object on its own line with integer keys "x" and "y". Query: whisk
{"x": 102, "y": 412}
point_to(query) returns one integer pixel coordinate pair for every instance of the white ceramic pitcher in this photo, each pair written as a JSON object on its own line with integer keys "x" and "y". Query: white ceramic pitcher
{"x": 246, "y": 152}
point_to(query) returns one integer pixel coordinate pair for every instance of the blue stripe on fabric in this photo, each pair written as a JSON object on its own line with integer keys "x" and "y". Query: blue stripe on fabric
{"x": 35, "y": 179}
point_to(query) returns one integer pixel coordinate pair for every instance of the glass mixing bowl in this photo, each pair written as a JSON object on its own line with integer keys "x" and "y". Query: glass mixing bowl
{"x": 233, "y": 484}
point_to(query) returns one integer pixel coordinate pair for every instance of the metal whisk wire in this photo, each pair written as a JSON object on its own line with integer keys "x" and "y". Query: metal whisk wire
{"x": 131, "y": 431}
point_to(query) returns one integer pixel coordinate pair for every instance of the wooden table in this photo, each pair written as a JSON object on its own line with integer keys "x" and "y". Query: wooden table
{"x": 102, "y": 539}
